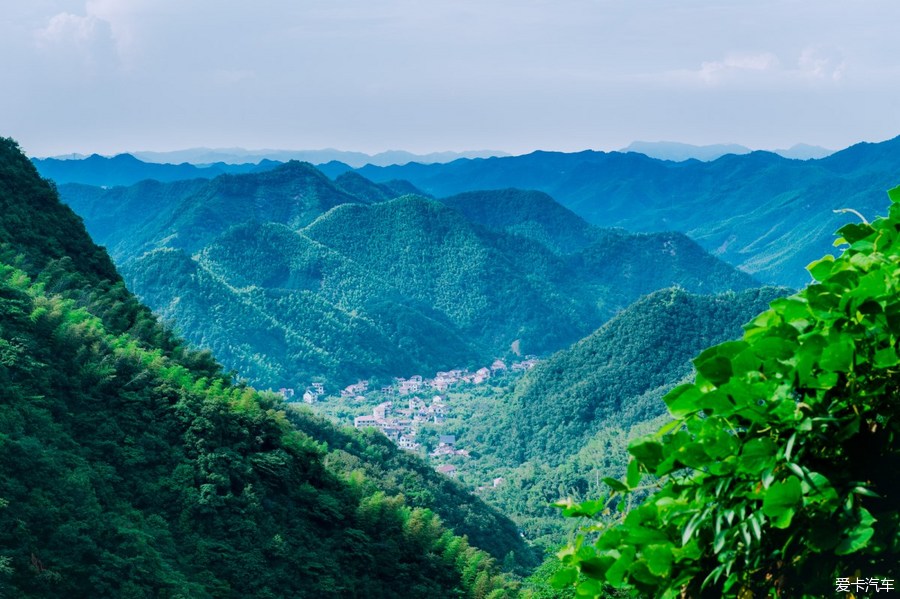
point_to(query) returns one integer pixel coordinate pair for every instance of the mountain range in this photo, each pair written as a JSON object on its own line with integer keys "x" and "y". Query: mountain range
{"x": 291, "y": 277}
{"x": 671, "y": 150}
{"x": 766, "y": 214}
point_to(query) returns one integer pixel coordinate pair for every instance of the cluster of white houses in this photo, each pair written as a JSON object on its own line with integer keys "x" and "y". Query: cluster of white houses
{"x": 416, "y": 383}
{"x": 398, "y": 423}
{"x": 446, "y": 379}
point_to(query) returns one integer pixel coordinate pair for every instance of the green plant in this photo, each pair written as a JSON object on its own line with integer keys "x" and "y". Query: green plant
{"x": 778, "y": 473}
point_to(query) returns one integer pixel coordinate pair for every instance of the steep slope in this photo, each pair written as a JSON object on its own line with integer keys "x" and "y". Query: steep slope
{"x": 128, "y": 469}
{"x": 624, "y": 267}
{"x": 620, "y": 371}
{"x": 530, "y": 214}
{"x": 566, "y": 425}
{"x": 767, "y": 214}
{"x": 283, "y": 310}
{"x": 190, "y": 214}
{"x": 432, "y": 254}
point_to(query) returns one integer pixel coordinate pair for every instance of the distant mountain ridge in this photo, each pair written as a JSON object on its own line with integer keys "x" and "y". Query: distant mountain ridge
{"x": 677, "y": 151}
{"x": 126, "y": 169}
{"x": 354, "y": 159}
{"x": 764, "y": 213}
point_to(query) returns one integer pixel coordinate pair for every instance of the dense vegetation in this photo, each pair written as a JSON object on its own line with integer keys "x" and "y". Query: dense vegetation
{"x": 620, "y": 372}
{"x": 390, "y": 288}
{"x": 526, "y": 429}
{"x": 778, "y": 476}
{"x": 130, "y": 467}
{"x": 767, "y": 214}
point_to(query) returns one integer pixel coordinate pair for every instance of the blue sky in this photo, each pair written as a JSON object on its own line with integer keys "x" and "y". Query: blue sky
{"x": 371, "y": 75}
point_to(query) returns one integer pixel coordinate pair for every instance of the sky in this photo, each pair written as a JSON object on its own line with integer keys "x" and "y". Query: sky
{"x": 109, "y": 76}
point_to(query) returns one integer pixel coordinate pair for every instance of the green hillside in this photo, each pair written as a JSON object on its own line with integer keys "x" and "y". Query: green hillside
{"x": 132, "y": 468}
{"x": 566, "y": 425}
{"x": 531, "y": 214}
{"x": 621, "y": 371}
{"x": 432, "y": 254}
{"x": 284, "y": 310}
{"x": 390, "y": 288}
{"x": 190, "y": 214}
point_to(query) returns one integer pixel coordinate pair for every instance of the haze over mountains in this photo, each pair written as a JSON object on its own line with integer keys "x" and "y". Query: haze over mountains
{"x": 763, "y": 213}
{"x": 676, "y": 151}
{"x": 294, "y": 275}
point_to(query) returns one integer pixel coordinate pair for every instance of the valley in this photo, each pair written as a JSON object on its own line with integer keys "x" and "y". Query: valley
{"x": 345, "y": 294}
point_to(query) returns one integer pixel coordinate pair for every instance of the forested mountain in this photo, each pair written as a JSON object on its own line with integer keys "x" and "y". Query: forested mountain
{"x": 129, "y": 466}
{"x": 189, "y": 214}
{"x": 290, "y": 277}
{"x": 567, "y": 423}
{"x": 360, "y": 187}
{"x": 531, "y": 214}
{"x": 767, "y": 214}
{"x": 618, "y": 373}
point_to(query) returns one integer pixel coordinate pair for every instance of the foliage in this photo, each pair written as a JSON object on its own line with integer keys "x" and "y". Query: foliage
{"x": 618, "y": 372}
{"x": 398, "y": 472}
{"x": 134, "y": 470}
{"x": 779, "y": 473}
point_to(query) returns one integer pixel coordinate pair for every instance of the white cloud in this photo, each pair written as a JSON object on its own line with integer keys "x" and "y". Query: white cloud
{"x": 736, "y": 65}
{"x": 68, "y": 29}
{"x": 85, "y": 40}
{"x": 822, "y": 63}
{"x": 814, "y": 65}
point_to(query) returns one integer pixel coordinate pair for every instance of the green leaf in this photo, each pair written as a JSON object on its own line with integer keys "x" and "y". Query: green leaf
{"x": 633, "y": 477}
{"x": 615, "y": 575}
{"x": 659, "y": 559}
{"x": 853, "y": 232}
{"x": 820, "y": 269}
{"x": 594, "y": 567}
{"x": 713, "y": 367}
{"x": 855, "y": 540}
{"x": 649, "y": 451}
{"x": 683, "y": 400}
{"x": 894, "y": 194}
{"x": 588, "y": 588}
{"x": 757, "y": 455}
{"x": 780, "y": 501}
{"x": 564, "y": 578}
{"x": 837, "y": 356}
{"x": 887, "y": 357}
{"x": 615, "y": 485}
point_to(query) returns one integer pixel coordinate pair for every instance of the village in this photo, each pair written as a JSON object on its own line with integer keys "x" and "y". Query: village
{"x": 405, "y": 408}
